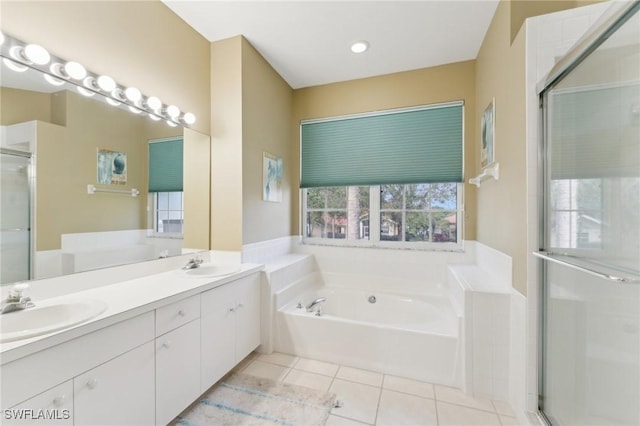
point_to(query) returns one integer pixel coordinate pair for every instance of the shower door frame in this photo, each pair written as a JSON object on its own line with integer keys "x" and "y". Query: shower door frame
{"x": 32, "y": 202}
{"x": 589, "y": 43}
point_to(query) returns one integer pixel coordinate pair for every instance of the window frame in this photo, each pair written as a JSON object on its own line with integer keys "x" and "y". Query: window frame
{"x": 374, "y": 240}
{"x": 154, "y": 214}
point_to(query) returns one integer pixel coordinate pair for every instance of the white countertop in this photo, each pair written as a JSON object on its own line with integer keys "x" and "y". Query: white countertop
{"x": 125, "y": 300}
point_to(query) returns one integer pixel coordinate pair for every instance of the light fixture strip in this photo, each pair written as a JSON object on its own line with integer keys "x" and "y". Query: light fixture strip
{"x": 139, "y": 102}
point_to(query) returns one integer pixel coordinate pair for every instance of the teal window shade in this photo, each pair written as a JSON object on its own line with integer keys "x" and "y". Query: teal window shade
{"x": 410, "y": 146}
{"x": 165, "y": 166}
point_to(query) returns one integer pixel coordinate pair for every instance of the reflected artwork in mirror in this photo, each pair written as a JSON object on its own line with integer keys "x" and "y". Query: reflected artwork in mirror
{"x": 60, "y": 215}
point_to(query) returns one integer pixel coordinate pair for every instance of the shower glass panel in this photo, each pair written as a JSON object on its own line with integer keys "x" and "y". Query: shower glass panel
{"x": 15, "y": 207}
{"x": 591, "y": 236}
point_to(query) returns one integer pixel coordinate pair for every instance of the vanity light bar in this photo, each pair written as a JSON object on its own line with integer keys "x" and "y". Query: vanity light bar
{"x": 19, "y": 56}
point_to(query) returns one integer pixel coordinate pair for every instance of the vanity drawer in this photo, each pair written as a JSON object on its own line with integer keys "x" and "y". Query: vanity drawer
{"x": 176, "y": 314}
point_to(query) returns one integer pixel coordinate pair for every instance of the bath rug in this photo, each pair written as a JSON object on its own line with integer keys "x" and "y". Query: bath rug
{"x": 241, "y": 399}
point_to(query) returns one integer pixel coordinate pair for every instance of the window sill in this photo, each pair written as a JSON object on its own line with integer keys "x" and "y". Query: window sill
{"x": 390, "y": 245}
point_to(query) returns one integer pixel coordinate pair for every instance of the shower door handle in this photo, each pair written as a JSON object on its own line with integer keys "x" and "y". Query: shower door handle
{"x": 552, "y": 257}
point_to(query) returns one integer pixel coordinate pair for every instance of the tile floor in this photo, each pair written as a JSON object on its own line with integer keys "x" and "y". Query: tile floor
{"x": 371, "y": 398}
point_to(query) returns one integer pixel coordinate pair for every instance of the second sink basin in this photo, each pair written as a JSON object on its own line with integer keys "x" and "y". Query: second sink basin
{"x": 212, "y": 270}
{"x": 47, "y": 317}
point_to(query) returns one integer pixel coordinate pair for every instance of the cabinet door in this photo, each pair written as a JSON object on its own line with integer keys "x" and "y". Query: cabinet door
{"x": 52, "y": 407}
{"x": 118, "y": 392}
{"x": 218, "y": 333}
{"x": 177, "y": 371}
{"x": 247, "y": 316}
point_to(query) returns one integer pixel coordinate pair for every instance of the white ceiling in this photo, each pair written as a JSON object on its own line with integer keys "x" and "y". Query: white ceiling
{"x": 308, "y": 42}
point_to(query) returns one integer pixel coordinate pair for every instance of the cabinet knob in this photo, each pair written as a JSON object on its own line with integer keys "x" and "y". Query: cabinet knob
{"x": 91, "y": 384}
{"x": 167, "y": 344}
{"x": 181, "y": 313}
{"x": 59, "y": 400}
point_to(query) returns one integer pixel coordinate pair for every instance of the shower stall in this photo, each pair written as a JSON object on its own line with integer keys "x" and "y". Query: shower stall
{"x": 590, "y": 230}
{"x": 15, "y": 216}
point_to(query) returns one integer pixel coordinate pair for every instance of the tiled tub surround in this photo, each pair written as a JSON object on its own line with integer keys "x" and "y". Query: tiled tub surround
{"x": 164, "y": 308}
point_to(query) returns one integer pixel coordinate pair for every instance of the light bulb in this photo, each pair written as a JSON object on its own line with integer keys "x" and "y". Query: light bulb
{"x": 112, "y": 102}
{"x": 360, "y": 46}
{"x": 75, "y": 70}
{"x": 85, "y": 92}
{"x": 57, "y": 70}
{"x": 134, "y": 110}
{"x": 189, "y": 118}
{"x": 154, "y": 103}
{"x": 118, "y": 94}
{"x": 106, "y": 83}
{"x": 37, "y": 54}
{"x": 154, "y": 117}
{"x": 173, "y": 111}
{"x": 133, "y": 94}
{"x": 14, "y": 66}
{"x": 90, "y": 83}
{"x": 171, "y": 123}
{"x": 54, "y": 81}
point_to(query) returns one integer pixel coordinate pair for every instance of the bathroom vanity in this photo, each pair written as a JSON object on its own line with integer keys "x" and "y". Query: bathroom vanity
{"x": 162, "y": 341}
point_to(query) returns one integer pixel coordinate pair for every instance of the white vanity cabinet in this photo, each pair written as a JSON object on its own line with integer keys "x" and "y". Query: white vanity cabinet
{"x": 177, "y": 358}
{"x": 118, "y": 392}
{"x": 53, "y": 407}
{"x": 230, "y": 326}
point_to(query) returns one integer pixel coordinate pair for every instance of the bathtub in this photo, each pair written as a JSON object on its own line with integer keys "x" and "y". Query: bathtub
{"x": 408, "y": 336}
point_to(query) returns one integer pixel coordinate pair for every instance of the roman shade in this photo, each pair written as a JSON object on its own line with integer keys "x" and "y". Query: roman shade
{"x": 165, "y": 165}
{"x": 418, "y": 145}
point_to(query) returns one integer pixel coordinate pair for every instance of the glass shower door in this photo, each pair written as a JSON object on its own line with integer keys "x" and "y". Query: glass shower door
{"x": 15, "y": 207}
{"x": 591, "y": 237}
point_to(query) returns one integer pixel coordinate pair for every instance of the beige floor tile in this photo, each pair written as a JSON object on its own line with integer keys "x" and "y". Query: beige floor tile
{"x": 504, "y": 408}
{"x": 360, "y": 376}
{"x": 398, "y": 408}
{"x": 456, "y": 396}
{"x": 413, "y": 387}
{"x": 277, "y": 358}
{"x": 318, "y": 367}
{"x": 266, "y": 370}
{"x": 309, "y": 380}
{"x": 341, "y": 421}
{"x": 359, "y": 402}
{"x": 509, "y": 421}
{"x": 457, "y": 415}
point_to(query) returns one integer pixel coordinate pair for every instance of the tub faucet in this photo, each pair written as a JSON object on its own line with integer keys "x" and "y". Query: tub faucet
{"x": 15, "y": 301}
{"x": 314, "y": 303}
{"x": 193, "y": 263}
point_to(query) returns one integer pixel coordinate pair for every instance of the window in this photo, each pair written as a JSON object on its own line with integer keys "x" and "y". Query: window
{"x": 413, "y": 215}
{"x": 390, "y": 178}
{"x": 168, "y": 212}
{"x": 166, "y": 185}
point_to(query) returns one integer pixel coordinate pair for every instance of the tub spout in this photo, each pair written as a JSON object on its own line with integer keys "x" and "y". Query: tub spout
{"x": 314, "y": 303}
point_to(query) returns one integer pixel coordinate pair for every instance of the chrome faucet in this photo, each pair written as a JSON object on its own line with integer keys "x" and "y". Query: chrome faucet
{"x": 193, "y": 263}
{"x": 315, "y": 302}
{"x": 15, "y": 300}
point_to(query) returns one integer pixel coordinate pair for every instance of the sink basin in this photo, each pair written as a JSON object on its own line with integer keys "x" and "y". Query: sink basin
{"x": 210, "y": 270}
{"x": 47, "y": 317}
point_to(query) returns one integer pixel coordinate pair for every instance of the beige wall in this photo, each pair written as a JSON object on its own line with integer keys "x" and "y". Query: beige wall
{"x": 420, "y": 87}
{"x": 251, "y": 109}
{"x": 266, "y": 113}
{"x": 196, "y": 178}
{"x": 138, "y": 43}
{"x": 17, "y": 106}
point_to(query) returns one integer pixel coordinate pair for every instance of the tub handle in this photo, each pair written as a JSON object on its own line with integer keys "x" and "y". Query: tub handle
{"x": 372, "y": 299}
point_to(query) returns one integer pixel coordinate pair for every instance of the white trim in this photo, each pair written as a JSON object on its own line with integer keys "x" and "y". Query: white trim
{"x": 385, "y": 112}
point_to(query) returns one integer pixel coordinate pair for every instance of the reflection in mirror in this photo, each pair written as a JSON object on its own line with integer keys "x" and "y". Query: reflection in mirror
{"x": 55, "y": 143}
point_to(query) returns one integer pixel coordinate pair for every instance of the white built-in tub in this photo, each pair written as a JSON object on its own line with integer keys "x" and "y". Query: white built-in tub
{"x": 407, "y": 336}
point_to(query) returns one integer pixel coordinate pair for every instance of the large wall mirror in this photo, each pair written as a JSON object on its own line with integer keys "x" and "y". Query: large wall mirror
{"x": 56, "y": 144}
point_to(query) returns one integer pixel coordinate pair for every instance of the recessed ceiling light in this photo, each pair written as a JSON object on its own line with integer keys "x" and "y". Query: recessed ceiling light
{"x": 360, "y": 46}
